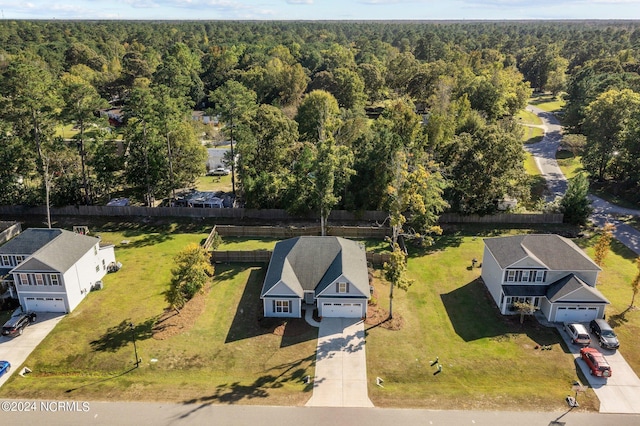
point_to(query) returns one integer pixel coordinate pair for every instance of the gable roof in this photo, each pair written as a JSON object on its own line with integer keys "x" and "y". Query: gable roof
{"x": 573, "y": 289}
{"x": 553, "y": 251}
{"x": 59, "y": 250}
{"x": 312, "y": 263}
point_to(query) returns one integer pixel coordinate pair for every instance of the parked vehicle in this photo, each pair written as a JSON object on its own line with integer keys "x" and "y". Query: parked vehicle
{"x": 578, "y": 334}
{"x": 605, "y": 334}
{"x": 596, "y": 362}
{"x": 17, "y": 323}
{"x": 5, "y": 366}
{"x": 219, "y": 171}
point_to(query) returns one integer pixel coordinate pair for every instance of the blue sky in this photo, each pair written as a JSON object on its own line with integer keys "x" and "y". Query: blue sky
{"x": 320, "y": 9}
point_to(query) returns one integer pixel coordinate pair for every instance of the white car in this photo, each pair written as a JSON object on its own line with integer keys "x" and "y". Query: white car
{"x": 578, "y": 334}
{"x": 219, "y": 171}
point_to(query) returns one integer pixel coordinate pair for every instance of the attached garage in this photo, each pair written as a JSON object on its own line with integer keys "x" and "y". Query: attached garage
{"x": 343, "y": 309}
{"x": 576, "y": 313}
{"x": 45, "y": 304}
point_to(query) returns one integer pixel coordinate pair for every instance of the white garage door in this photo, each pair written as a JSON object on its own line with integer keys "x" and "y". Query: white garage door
{"x": 573, "y": 314}
{"x": 342, "y": 310}
{"x": 45, "y": 304}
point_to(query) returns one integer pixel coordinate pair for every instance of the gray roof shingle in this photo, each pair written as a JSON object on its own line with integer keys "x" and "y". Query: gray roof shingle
{"x": 555, "y": 252}
{"x": 312, "y": 263}
{"x": 559, "y": 290}
{"x": 59, "y": 249}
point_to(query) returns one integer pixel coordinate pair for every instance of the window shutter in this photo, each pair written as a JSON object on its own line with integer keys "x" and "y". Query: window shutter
{"x": 273, "y": 302}
{"x": 347, "y": 287}
{"x": 337, "y": 287}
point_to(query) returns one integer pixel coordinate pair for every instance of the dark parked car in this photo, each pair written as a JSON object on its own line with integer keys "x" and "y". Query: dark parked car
{"x": 17, "y": 323}
{"x": 603, "y": 331}
{"x": 596, "y": 362}
{"x": 5, "y": 366}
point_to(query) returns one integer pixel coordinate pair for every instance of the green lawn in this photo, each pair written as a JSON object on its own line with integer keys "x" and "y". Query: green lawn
{"x": 532, "y": 134}
{"x": 66, "y": 132}
{"x": 537, "y": 183}
{"x": 547, "y": 102}
{"x": 227, "y": 357}
{"x": 230, "y": 356}
{"x": 214, "y": 183}
{"x": 489, "y": 361}
{"x": 527, "y": 117}
{"x": 569, "y": 164}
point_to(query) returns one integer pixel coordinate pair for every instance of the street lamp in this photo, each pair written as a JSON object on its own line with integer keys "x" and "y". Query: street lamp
{"x": 135, "y": 348}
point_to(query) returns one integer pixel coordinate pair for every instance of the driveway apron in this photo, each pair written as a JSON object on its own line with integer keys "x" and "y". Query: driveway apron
{"x": 341, "y": 365}
{"x": 620, "y": 393}
{"x": 17, "y": 349}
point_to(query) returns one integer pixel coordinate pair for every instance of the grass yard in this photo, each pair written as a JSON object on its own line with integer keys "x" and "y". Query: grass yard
{"x": 537, "y": 183}
{"x": 569, "y": 164}
{"x": 548, "y": 102}
{"x": 532, "y": 134}
{"x": 489, "y": 361}
{"x": 228, "y": 356}
{"x": 527, "y": 117}
{"x": 214, "y": 183}
{"x": 252, "y": 243}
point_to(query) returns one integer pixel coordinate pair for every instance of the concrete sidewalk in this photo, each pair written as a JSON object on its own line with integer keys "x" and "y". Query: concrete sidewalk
{"x": 341, "y": 365}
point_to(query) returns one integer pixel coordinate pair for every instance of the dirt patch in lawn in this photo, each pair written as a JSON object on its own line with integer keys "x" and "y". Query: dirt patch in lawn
{"x": 172, "y": 322}
{"x": 377, "y": 316}
{"x": 292, "y": 327}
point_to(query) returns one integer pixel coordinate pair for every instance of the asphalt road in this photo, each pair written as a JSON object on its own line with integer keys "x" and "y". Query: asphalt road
{"x": 544, "y": 153}
{"x": 122, "y": 413}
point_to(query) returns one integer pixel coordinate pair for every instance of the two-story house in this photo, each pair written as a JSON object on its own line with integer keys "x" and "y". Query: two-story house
{"x": 548, "y": 271}
{"x": 54, "y": 269}
{"x": 329, "y": 273}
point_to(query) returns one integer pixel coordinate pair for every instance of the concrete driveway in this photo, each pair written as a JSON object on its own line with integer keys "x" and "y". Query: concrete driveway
{"x": 620, "y": 393}
{"x": 341, "y": 365}
{"x": 17, "y": 349}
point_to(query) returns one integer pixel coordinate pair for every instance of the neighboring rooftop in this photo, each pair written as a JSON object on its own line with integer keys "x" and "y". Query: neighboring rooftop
{"x": 50, "y": 249}
{"x": 555, "y": 252}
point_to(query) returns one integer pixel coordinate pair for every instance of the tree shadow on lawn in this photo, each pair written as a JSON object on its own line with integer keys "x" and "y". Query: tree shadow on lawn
{"x": 249, "y": 321}
{"x": 231, "y": 393}
{"x": 474, "y": 316}
{"x": 121, "y": 335}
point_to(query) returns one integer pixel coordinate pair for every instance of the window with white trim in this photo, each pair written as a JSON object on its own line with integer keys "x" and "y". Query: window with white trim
{"x": 525, "y": 275}
{"x": 5, "y": 260}
{"x": 540, "y": 276}
{"x": 39, "y": 279}
{"x": 282, "y": 307}
{"x": 511, "y": 275}
{"x": 342, "y": 287}
{"x": 19, "y": 259}
{"x": 54, "y": 279}
{"x": 24, "y": 279}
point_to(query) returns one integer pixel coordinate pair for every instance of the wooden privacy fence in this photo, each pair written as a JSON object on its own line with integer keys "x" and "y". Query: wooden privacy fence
{"x": 264, "y": 256}
{"x": 282, "y": 232}
{"x": 519, "y": 218}
{"x": 233, "y": 215}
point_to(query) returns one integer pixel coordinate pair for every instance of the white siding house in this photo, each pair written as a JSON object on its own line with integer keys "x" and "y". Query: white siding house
{"x": 54, "y": 269}
{"x": 548, "y": 271}
{"x": 329, "y": 273}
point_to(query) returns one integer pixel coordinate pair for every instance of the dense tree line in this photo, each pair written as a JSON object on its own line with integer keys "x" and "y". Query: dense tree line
{"x": 321, "y": 112}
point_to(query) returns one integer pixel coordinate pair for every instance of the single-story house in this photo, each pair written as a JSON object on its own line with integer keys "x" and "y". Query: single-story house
{"x": 548, "y": 271}
{"x": 329, "y": 273}
{"x": 54, "y": 269}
